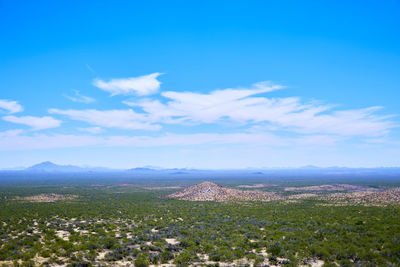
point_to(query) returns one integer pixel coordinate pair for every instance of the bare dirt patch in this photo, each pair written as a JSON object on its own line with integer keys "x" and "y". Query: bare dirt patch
{"x": 47, "y": 197}
{"x": 302, "y": 196}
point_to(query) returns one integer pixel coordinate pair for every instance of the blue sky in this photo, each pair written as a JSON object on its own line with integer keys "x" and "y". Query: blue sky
{"x": 203, "y": 84}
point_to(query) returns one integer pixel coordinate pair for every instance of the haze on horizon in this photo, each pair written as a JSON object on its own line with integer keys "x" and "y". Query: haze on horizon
{"x": 289, "y": 84}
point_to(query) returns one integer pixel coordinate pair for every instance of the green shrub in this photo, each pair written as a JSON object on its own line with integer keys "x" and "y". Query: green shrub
{"x": 142, "y": 261}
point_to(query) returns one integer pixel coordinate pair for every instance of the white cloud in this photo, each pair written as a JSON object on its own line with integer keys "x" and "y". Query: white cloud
{"x": 11, "y": 133}
{"x": 92, "y": 130}
{"x": 243, "y": 106}
{"x": 142, "y": 85}
{"x": 357, "y": 122}
{"x": 37, "y": 123}
{"x": 246, "y": 106}
{"x": 202, "y": 108}
{"x": 78, "y": 97}
{"x": 122, "y": 119}
{"x": 10, "y": 106}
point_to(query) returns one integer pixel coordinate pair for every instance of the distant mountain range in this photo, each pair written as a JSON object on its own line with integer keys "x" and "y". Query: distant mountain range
{"x": 50, "y": 167}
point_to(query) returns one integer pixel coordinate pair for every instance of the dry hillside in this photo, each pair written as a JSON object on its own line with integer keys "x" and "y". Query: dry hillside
{"x": 208, "y": 191}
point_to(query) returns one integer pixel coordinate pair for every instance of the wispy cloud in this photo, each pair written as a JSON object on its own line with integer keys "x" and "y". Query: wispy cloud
{"x": 246, "y": 107}
{"x": 92, "y": 130}
{"x": 122, "y": 119}
{"x": 10, "y": 106}
{"x": 78, "y": 97}
{"x": 10, "y": 133}
{"x": 201, "y": 108}
{"x": 142, "y": 85}
{"x": 262, "y": 121}
{"x": 90, "y": 68}
{"x": 36, "y": 123}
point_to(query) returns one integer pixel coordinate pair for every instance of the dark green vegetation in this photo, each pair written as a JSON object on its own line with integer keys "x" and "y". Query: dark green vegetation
{"x": 131, "y": 225}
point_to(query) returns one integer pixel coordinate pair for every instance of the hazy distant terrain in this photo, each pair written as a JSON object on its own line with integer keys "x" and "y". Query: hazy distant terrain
{"x": 48, "y": 171}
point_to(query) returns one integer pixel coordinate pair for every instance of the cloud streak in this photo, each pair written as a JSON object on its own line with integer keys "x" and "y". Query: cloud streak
{"x": 78, "y": 97}
{"x": 92, "y": 130}
{"x": 247, "y": 106}
{"x": 246, "y": 116}
{"x": 142, "y": 85}
{"x": 36, "y": 123}
{"x": 10, "y": 106}
{"x": 122, "y": 119}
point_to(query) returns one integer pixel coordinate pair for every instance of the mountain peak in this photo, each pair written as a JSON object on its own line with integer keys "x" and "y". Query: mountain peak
{"x": 43, "y": 164}
{"x": 48, "y": 166}
{"x": 46, "y": 163}
{"x": 208, "y": 185}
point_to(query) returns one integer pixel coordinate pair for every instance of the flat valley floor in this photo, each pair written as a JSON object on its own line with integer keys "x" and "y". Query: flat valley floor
{"x": 103, "y": 223}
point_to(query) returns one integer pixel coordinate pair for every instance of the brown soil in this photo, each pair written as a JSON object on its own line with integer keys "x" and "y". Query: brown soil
{"x": 47, "y": 198}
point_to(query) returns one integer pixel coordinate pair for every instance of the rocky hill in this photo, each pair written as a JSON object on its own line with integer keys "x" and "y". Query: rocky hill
{"x": 208, "y": 191}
